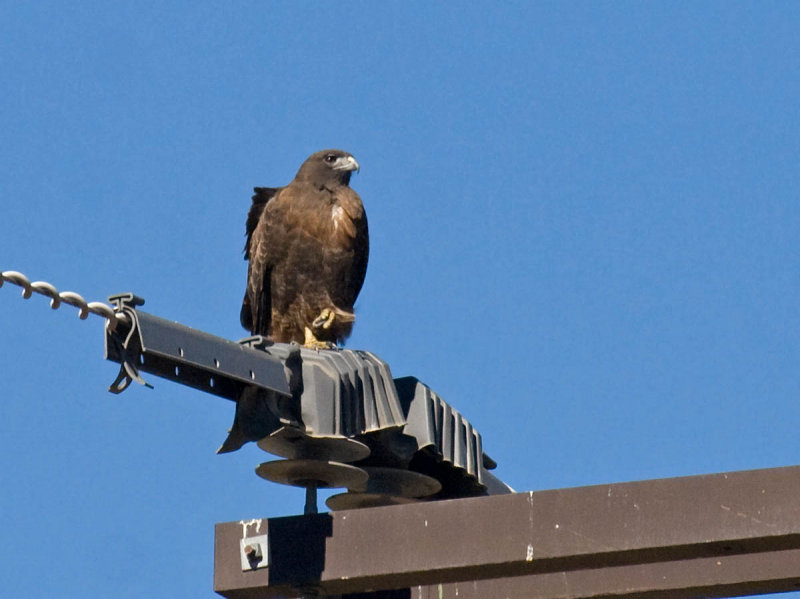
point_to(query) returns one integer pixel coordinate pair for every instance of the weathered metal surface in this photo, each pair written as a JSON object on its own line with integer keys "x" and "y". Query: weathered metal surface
{"x": 718, "y": 576}
{"x": 714, "y": 535}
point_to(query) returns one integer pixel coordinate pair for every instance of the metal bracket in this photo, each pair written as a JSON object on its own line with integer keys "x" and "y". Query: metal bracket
{"x": 125, "y": 344}
{"x": 185, "y": 355}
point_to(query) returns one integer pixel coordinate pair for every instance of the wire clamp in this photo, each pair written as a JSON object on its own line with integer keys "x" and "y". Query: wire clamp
{"x": 126, "y": 344}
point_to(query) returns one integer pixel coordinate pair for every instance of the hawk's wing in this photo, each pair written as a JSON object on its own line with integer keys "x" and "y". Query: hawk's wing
{"x": 360, "y": 254}
{"x": 256, "y": 308}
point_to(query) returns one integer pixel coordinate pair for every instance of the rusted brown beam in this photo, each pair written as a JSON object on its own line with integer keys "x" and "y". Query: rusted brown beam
{"x": 719, "y": 535}
{"x": 719, "y": 576}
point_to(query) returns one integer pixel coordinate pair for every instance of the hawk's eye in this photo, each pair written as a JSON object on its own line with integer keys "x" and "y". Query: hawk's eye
{"x": 330, "y": 158}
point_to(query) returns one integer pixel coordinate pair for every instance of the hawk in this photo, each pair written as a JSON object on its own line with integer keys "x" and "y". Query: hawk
{"x": 307, "y": 247}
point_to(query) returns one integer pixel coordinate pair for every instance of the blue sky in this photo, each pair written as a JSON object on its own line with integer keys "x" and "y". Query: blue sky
{"x": 584, "y": 230}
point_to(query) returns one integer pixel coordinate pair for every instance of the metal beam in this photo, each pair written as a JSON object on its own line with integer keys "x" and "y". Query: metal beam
{"x": 718, "y": 576}
{"x": 147, "y": 343}
{"x": 717, "y": 535}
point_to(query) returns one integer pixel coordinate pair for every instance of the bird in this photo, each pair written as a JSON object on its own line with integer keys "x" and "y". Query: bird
{"x": 307, "y": 249}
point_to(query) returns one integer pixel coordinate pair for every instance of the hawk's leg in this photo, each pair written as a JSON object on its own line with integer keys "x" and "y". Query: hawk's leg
{"x": 324, "y": 320}
{"x": 311, "y": 342}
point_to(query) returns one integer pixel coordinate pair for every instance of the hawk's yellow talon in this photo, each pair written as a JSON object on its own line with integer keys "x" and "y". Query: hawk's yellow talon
{"x": 311, "y": 342}
{"x": 324, "y": 320}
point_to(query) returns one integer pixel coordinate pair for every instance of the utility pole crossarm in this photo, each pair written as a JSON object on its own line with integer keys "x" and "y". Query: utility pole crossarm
{"x": 717, "y": 535}
{"x": 147, "y": 343}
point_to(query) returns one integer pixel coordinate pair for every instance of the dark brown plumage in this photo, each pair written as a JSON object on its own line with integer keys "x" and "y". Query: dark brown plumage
{"x": 307, "y": 246}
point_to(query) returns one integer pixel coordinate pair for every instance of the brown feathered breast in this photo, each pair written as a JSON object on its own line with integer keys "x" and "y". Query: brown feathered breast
{"x": 307, "y": 246}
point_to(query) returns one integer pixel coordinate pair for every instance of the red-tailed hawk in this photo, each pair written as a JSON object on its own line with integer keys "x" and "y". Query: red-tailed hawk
{"x": 307, "y": 246}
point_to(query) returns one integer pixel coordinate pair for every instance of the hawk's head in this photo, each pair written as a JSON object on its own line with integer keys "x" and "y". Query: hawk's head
{"x": 328, "y": 166}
